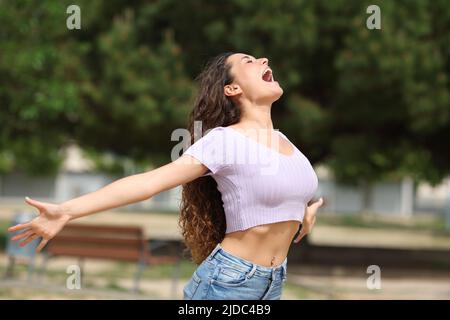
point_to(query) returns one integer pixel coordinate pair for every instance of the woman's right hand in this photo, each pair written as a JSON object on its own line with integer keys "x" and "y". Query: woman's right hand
{"x": 309, "y": 219}
{"x": 47, "y": 224}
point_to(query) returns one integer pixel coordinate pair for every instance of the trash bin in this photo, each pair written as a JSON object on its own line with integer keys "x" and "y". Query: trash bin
{"x": 13, "y": 249}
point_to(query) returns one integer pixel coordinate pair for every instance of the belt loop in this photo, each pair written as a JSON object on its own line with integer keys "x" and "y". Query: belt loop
{"x": 250, "y": 274}
{"x": 211, "y": 255}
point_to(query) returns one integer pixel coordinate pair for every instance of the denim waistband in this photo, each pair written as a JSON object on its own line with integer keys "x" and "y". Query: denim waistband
{"x": 246, "y": 265}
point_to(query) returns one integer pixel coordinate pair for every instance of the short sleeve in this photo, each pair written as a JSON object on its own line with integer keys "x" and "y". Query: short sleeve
{"x": 210, "y": 150}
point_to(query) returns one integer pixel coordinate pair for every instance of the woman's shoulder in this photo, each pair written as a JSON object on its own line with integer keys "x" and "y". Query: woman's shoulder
{"x": 216, "y": 132}
{"x": 215, "y": 135}
{"x": 217, "y": 129}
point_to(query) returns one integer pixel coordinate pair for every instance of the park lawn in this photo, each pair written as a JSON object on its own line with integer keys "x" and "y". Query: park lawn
{"x": 422, "y": 223}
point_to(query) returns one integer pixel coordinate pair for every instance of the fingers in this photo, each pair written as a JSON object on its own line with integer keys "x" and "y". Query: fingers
{"x": 312, "y": 209}
{"x": 318, "y": 203}
{"x": 41, "y": 245}
{"x": 39, "y": 205}
{"x": 29, "y": 239}
{"x": 299, "y": 237}
{"x": 309, "y": 219}
{"x": 306, "y": 228}
{"x": 22, "y": 235}
{"x": 20, "y": 226}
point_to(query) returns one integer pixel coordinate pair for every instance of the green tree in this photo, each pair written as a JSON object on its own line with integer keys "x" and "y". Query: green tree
{"x": 372, "y": 104}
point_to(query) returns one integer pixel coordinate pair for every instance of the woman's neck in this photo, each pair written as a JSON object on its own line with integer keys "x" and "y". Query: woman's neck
{"x": 256, "y": 117}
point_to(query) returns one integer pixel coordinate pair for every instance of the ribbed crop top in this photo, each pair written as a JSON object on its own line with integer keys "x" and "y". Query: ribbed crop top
{"x": 259, "y": 185}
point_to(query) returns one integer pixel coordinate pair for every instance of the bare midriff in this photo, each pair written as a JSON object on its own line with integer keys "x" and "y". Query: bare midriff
{"x": 265, "y": 245}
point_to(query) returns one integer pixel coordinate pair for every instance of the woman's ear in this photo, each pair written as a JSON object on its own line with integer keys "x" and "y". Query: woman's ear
{"x": 232, "y": 90}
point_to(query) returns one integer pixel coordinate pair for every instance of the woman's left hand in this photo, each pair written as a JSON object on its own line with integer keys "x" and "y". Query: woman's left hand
{"x": 309, "y": 219}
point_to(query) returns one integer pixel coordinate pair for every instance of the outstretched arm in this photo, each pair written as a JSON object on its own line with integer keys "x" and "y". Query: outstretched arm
{"x": 53, "y": 217}
{"x": 134, "y": 188}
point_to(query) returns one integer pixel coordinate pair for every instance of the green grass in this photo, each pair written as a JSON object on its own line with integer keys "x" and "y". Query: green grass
{"x": 114, "y": 271}
{"x": 301, "y": 293}
{"x": 436, "y": 224}
{"x": 121, "y": 269}
{"x": 113, "y": 285}
{"x": 107, "y": 278}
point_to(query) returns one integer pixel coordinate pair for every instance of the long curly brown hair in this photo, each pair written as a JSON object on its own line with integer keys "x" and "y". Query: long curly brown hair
{"x": 202, "y": 217}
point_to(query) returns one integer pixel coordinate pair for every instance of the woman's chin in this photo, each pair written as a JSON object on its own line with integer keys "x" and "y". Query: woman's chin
{"x": 278, "y": 91}
{"x": 279, "y": 95}
{"x": 275, "y": 95}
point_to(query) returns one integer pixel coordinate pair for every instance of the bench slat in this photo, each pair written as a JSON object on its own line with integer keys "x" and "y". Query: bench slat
{"x": 113, "y": 254}
{"x": 86, "y": 228}
{"x": 63, "y": 239}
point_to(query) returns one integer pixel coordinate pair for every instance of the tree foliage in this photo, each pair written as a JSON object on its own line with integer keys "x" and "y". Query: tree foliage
{"x": 370, "y": 103}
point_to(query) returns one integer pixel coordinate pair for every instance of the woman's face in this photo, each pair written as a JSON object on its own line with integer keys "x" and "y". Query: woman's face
{"x": 252, "y": 79}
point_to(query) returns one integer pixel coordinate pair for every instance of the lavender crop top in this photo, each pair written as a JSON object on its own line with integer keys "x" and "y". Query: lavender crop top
{"x": 258, "y": 184}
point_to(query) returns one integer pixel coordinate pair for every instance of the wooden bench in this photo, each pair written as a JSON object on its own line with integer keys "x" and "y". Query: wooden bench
{"x": 118, "y": 243}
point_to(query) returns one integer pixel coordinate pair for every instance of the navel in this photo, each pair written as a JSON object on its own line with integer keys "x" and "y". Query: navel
{"x": 272, "y": 262}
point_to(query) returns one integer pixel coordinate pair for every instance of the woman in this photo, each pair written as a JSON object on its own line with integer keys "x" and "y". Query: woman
{"x": 238, "y": 217}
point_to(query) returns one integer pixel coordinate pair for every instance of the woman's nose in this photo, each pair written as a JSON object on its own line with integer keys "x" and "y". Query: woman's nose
{"x": 264, "y": 61}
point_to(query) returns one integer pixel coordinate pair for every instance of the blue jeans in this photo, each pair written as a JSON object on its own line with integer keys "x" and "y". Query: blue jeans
{"x": 224, "y": 276}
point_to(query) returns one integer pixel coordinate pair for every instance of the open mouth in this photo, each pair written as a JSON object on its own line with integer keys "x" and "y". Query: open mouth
{"x": 267, "y": 75}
